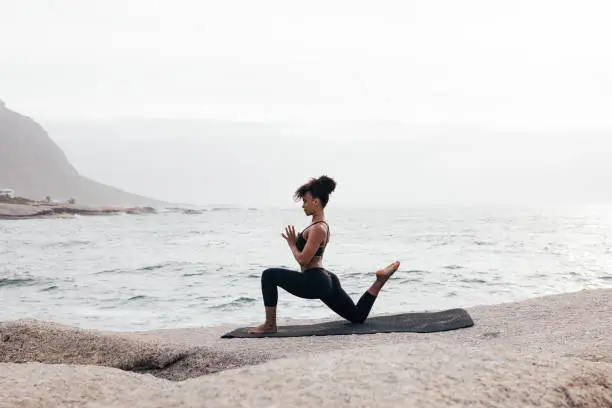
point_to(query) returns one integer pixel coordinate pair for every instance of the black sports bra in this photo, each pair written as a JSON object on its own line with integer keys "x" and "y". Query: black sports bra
{"x": 300, "y": 243}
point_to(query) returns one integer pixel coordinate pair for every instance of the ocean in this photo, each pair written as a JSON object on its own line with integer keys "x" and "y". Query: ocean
{"x": 177, "y": 269}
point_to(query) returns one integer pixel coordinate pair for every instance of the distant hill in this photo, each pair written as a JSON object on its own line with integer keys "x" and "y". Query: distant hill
{"x": 34, "y": 166}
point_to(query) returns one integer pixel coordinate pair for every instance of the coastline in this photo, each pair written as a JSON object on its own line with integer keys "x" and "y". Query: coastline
{"x": 25, "y": 211}
{"x": 550, "y": 351}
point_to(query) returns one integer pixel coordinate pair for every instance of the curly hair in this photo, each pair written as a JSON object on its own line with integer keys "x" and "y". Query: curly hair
{"x": 319, "y": 188}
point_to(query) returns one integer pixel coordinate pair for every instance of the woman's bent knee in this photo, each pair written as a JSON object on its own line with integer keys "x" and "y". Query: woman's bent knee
{"x": 268, "y": 275}
{"x": 357, "y": 319}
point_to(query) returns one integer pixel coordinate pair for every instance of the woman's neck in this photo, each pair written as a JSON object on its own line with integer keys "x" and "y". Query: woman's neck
{"x": 318, "y": 216}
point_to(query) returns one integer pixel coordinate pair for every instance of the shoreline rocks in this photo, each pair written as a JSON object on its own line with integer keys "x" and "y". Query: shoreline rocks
{"x": 9, "y": 211}
{"x": 25, "y": 341}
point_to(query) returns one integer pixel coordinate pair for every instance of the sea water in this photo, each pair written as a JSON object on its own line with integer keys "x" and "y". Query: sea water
{"x": 203, "y": 268}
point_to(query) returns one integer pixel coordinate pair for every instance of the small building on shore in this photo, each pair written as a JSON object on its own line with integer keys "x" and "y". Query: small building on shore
{"x": 54, "y": 201}
{"x": 7, "y": 193}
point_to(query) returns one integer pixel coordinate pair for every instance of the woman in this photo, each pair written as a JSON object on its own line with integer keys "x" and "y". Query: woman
{"x": 314, "y": 281}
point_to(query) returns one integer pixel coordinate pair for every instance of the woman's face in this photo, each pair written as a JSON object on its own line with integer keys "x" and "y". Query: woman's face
{"x": 309, "y": 204}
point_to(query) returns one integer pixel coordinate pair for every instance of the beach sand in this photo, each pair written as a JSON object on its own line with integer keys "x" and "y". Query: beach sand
{"x": 553, "y": 351}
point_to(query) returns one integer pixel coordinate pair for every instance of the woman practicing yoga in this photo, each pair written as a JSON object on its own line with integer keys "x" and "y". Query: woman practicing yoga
{"x": 314, "y": 281}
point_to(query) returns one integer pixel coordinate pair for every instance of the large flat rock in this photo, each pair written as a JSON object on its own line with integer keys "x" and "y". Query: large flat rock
{"x": 553, "y": 351}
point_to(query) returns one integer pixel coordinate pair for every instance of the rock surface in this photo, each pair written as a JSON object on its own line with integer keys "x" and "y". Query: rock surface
{"x": 28, "y": 211}
{"x": 553, "y": 351}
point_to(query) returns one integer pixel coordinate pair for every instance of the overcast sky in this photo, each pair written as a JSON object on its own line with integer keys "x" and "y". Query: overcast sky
{"x": 506, "y": 65}
{"x": 451, "y": 71}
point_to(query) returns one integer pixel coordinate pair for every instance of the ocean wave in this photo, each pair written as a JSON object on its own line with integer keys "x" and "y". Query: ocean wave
{"x": 410, "y": 280}
{"x": 474, "y": 280}
{"x": 198, "y": 273}
{"x": 216, "y": 244}
{"x": 197, "y": 211}
{"x": 137, "y": 297}
{"x": 203, "y": 232}
{"x": 234, "y": 304}
{"x": 153, "y": 267}
{"x": 352, "y": 274}
{"x": 192, "y": 212}
{"x": 66, "y": 244}
{"x": 105, "y": 271}
{"x": 50, "y": 288}
{"x": 17, "y": 282}
{"x": 484, "y": 243}
{"x": 453, "y": 267}
{"x": 176, "y": 265}
{"x": 203, "y": 298}
{"x": 181, "y": 210}
{"x": 417, "y": 272}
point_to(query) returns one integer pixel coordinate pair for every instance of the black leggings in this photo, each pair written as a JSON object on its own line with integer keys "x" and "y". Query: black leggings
{"x": 315, "y": 283}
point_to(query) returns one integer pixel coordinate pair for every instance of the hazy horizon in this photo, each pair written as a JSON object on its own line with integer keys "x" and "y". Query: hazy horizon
{"x": 261, "y": 164}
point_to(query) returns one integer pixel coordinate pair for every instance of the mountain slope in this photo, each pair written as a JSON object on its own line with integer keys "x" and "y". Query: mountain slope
{"x": 34, "y": 166}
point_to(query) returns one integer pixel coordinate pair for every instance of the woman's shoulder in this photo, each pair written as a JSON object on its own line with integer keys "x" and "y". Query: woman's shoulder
{"x": 319, "y": 225}
{"x": 322, "y": 226}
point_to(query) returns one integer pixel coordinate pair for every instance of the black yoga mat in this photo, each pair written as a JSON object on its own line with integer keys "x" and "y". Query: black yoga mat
{"x": 424, "y": 322}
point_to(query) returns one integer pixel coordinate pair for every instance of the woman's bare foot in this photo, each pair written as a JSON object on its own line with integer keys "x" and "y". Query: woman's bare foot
{"x": 264, "y": 328}
{"x": 383, "y": 275}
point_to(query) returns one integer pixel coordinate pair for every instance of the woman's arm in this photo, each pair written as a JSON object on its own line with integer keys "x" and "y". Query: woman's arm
{"x": 316, "y": 237}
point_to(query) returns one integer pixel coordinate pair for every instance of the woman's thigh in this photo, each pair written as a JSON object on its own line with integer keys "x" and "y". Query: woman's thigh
{"x": 310, "y": 284}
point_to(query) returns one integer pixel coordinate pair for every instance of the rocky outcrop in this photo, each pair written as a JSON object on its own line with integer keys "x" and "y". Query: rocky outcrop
{"x": 28, "y": 211}
{"x": 31, "y": 340}
{"x": 34, "y": 166}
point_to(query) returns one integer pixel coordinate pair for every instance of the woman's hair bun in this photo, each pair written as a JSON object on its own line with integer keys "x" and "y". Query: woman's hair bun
{"x": 326, "y": 183}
